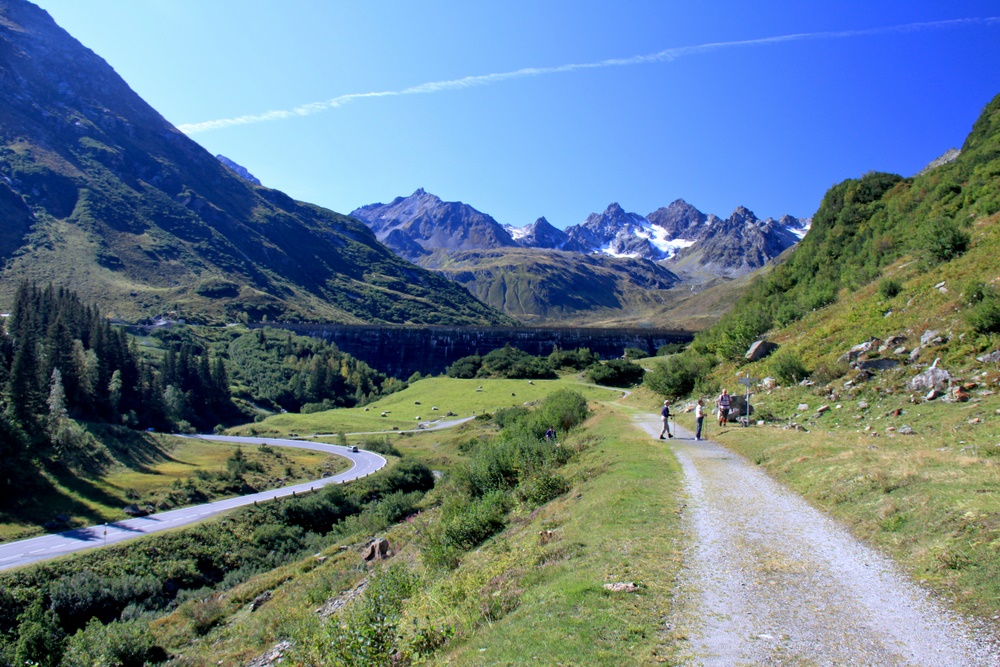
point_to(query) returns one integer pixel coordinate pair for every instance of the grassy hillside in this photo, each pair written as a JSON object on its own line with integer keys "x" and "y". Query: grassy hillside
{"x": 548, "y": 287}
{"x": 160, "y": 471}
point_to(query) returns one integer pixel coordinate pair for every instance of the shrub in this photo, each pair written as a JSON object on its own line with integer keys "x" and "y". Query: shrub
{"x": 787, "y": 368}
{"x": 124, "y": 644}
{"x": 616, "y": 373}
{"x": 889, "y": 288}
{"x": 671, "y": 348}
{"x": 541, "y": 487}
{"x": 465, "y": 368}
{"x": 465, "y": 526}
{"x": 564, "y": 409}
{"x": 379, "y": 445}
{"x": 678, "y": 374}
{"x": 984, "y": 315}
{"x": 940, "y": 240}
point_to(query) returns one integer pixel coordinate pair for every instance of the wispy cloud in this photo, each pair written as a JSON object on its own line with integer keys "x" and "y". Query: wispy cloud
{"x": 666, "y": 55}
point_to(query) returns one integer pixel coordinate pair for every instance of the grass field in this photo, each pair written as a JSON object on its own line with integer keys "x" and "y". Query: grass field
{"x": 415, "y": 405}
{"x": 169, "y": 472}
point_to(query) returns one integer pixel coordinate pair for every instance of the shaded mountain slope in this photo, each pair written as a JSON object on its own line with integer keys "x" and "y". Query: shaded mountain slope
{"x": 100, "y": 192}
{"x": 550, "y": 285}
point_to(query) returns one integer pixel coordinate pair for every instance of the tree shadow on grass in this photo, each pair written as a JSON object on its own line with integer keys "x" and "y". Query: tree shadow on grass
{"x": 135, "y": 450}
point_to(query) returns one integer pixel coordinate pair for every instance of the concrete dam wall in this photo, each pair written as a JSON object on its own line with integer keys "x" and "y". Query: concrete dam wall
{"x": 402, "y": 351}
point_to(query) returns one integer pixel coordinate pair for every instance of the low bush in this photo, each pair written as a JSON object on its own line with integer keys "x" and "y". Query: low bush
{"x": 616, "y": 373}
{"x": 123, "y": 644}
{"x": 677, "y": 375}
{"x": 787, "y": 368}
{"x": 889, "y": 288}
{"x": 984, "y": 314}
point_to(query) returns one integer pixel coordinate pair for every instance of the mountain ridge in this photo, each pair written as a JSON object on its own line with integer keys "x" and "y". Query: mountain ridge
{"x": 103, "y": 193}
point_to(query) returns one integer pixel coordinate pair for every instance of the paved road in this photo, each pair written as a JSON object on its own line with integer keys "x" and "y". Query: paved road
{"x": 16, "y": 554}
{"x": 771, "y": 580}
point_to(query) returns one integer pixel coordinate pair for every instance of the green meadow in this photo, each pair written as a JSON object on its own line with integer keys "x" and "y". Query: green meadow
{"x": 424, "y": 402}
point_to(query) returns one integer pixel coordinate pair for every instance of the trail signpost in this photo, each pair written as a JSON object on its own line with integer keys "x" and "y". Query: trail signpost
{"x": 747, "y": 382}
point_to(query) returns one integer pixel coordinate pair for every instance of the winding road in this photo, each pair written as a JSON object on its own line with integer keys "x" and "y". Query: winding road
{"x": 770, "y": 580}
{"x": 16, "y": 554}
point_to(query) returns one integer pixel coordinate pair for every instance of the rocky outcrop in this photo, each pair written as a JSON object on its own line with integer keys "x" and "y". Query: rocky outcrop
{"x": 760, "y": 349}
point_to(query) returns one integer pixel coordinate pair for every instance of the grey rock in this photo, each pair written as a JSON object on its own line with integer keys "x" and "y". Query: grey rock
{"x": 905, "y": 429}
{"x": 803, "y": 407}
{"x": 860, "y": 349}
{"x": 893, "y": 341}
{"x": 991, "y": 358}
{"x": 738, "y": 407}
{"x": 915, "y": 354}
{"x": 760, "y": 349}
{"x": 877, "y": 364}
{"x": 932, "y": 378}
{"x": 932, "y": 394}
{"x": 901, "y": 350}
{"x": 272, "y": 657}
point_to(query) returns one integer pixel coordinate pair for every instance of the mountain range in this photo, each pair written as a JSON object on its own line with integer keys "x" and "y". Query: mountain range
{"x": 100, "y": 192}
{"x": 418, "y": 225}
{"x": 615, "y": 267}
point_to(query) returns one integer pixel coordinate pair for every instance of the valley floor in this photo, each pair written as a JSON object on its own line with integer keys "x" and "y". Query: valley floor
{"x": 769, "y": 580}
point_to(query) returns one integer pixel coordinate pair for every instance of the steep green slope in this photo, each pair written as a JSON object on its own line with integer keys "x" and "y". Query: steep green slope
{"x": 864, "y": 225}
{"x": 98, "y": 191}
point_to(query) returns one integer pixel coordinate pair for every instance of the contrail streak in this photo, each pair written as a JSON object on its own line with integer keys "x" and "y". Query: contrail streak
{"x": 666, "y": 55}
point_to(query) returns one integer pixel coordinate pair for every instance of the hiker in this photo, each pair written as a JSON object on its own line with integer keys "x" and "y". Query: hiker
{"x": 550, "y": 434}
{"x": 699, "y": 418}
{"x": 723, "y": 402}
{"x": 665, "y": 418}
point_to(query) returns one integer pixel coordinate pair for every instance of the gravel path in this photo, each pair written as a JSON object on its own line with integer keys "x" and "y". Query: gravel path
{"x": 772, "y": 581}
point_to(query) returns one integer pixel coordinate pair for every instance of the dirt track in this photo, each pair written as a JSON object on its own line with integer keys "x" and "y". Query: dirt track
{"x": 769, "y": 580}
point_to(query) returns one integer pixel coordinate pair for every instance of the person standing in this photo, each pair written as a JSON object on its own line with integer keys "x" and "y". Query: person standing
{"x": 724, "y": 401}
{"x": 699, "y": 418}
{"x": 665, "y": 418}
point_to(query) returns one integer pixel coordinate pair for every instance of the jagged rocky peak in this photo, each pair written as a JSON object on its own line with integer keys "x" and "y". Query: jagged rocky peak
{"x": 680, "y": 220}
{"x": 238, "y": 169}
{"x": 423, "y": 220}
{"x": 949, "y": 156}
{"x": 540, "y": 234}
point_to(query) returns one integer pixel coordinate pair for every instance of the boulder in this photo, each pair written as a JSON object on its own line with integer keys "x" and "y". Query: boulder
{"x": 894, "y": 341}
{"x": 861, "y": 348}
{"x": 932, "y": 338}
{"x": 991, "y": 358}
{"x": 760, "y": 349}
{"x": 738, "y": 407}
{"x": 378, "y": 549}
{"x": 877, "y": 364}
{"x": 932, "y": 378}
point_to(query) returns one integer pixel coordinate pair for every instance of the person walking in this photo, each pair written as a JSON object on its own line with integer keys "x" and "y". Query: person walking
{"x": 724, "y": 401}
{"x": 665, "y": 418}
{"x": 699, "y": 418}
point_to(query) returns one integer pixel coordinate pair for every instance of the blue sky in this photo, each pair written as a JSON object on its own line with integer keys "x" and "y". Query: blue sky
{"x": 722, "y": 104}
